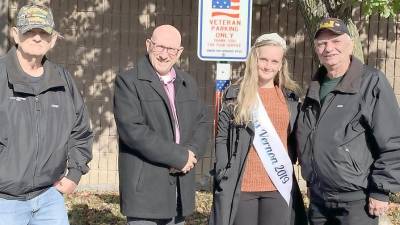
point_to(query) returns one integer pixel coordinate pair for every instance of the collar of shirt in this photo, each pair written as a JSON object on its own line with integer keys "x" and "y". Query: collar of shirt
{"x": 169, "y": 77}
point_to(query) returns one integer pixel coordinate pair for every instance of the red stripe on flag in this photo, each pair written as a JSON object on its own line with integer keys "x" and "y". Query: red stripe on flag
{"x": 225, "y": 14}
{"x": 235, "y": 7}
{"x": 235, "y": 0}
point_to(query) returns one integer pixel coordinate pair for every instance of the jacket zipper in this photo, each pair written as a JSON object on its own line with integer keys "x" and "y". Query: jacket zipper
{"x": 37, "y": 111}
{"x": 320, "y": 114}
{"x": 314, "y": 178}
{"x": 311, "y": 137}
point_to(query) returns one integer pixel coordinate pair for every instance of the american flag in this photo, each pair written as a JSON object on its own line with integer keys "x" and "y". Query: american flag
{"x": 229, "y": 8}
{"x": 220, "y": 86}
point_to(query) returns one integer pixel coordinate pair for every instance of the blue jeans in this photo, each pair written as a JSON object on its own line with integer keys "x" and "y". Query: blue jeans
{"x": 46, "y": 209}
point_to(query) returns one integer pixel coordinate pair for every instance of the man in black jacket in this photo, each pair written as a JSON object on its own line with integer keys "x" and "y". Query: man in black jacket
{"x": 45, "y": 136}
{"x": 348, "y": 134}
{"x": 162, "y": 131}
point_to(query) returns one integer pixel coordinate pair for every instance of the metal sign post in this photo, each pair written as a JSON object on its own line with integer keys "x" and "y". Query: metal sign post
{"x": 222, "y": 80}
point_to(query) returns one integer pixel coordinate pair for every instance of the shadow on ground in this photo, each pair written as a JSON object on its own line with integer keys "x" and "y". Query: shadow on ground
{"x": 111, "y": 198}
{"x": 81, "y": 214}
{"x": 90, "y": 208}
{"x": 102, "y": 208}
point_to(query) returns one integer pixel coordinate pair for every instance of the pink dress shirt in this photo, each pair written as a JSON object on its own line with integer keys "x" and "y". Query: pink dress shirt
{"x": 168, "y": 81}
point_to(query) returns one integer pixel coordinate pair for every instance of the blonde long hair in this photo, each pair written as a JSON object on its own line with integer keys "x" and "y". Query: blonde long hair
{"x": 247, "y": 100}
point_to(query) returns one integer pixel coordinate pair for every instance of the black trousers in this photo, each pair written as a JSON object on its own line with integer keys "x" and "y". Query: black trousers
{"x": 340, "y": 213}
{"x": 262, "y": 208}
{"x": 139, "y": 221}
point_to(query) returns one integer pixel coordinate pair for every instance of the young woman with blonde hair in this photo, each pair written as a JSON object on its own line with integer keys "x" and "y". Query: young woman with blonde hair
{"x": 254, "y": 182}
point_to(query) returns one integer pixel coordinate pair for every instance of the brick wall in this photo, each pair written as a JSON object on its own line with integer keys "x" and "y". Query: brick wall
{"x": 103, "y": 37}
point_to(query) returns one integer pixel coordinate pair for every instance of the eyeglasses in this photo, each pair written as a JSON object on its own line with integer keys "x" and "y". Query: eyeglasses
{"x": 161, "y": 48}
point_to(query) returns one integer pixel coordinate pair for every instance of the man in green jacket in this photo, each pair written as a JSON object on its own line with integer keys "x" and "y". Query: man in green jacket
{"x": 348, "y": 134}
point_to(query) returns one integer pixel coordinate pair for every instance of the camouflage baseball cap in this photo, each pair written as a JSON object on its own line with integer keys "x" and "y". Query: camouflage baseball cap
{"x": 35, "y": 16}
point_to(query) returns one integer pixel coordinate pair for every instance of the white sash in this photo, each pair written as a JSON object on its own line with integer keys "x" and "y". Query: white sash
{"x": 272, "y": 152}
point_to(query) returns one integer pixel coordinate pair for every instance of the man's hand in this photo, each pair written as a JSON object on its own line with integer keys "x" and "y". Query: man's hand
{"x": 190, "y": 163}
{"x": 376, "y": 207}
{"x": 65, "y": 185}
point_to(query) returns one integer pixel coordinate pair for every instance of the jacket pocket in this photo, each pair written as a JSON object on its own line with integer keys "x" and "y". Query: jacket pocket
{"x": 351, "y": 159}
{"x": 139, "y": 185}
{"x": 221, "y": 175}
{"x": 3, "y": 144}
{"x": 5, "y": 171}
{"x": 350, "y": 156}
{"x": 3, "y": 131}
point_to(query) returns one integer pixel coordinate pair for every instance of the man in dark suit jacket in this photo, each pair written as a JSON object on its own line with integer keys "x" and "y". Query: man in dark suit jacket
{"x": 162, "y": 131}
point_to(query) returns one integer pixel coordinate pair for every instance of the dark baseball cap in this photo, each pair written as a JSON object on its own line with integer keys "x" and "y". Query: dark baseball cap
{"x": 335, "y": 25}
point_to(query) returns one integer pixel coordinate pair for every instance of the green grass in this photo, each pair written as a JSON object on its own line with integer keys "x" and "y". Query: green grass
{"x": 102, "y": 208}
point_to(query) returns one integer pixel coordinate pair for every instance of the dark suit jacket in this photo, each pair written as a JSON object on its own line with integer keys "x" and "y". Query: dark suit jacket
{"x": 146, "y": 141}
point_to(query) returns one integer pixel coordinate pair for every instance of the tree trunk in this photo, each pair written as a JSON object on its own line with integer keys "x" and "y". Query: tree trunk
{"x": 314, "y": 10}
{"x": 4, "y": 27}
{"x": 358, "y": 50}
{"x": 261, "y": 2}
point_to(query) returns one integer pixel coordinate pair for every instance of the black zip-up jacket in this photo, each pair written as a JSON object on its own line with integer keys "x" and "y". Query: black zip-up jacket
{"x": 352, "y": 142}
{"x": 41, "y": 134}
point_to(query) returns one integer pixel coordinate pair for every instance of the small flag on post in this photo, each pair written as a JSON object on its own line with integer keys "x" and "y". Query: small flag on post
{"x": 220, "y": 86}
{"x": 221, "y": 83}
{"x": 230, "y": 8}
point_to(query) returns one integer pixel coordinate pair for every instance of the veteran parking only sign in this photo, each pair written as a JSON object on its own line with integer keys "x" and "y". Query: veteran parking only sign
{"x": 224, "y": 30}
